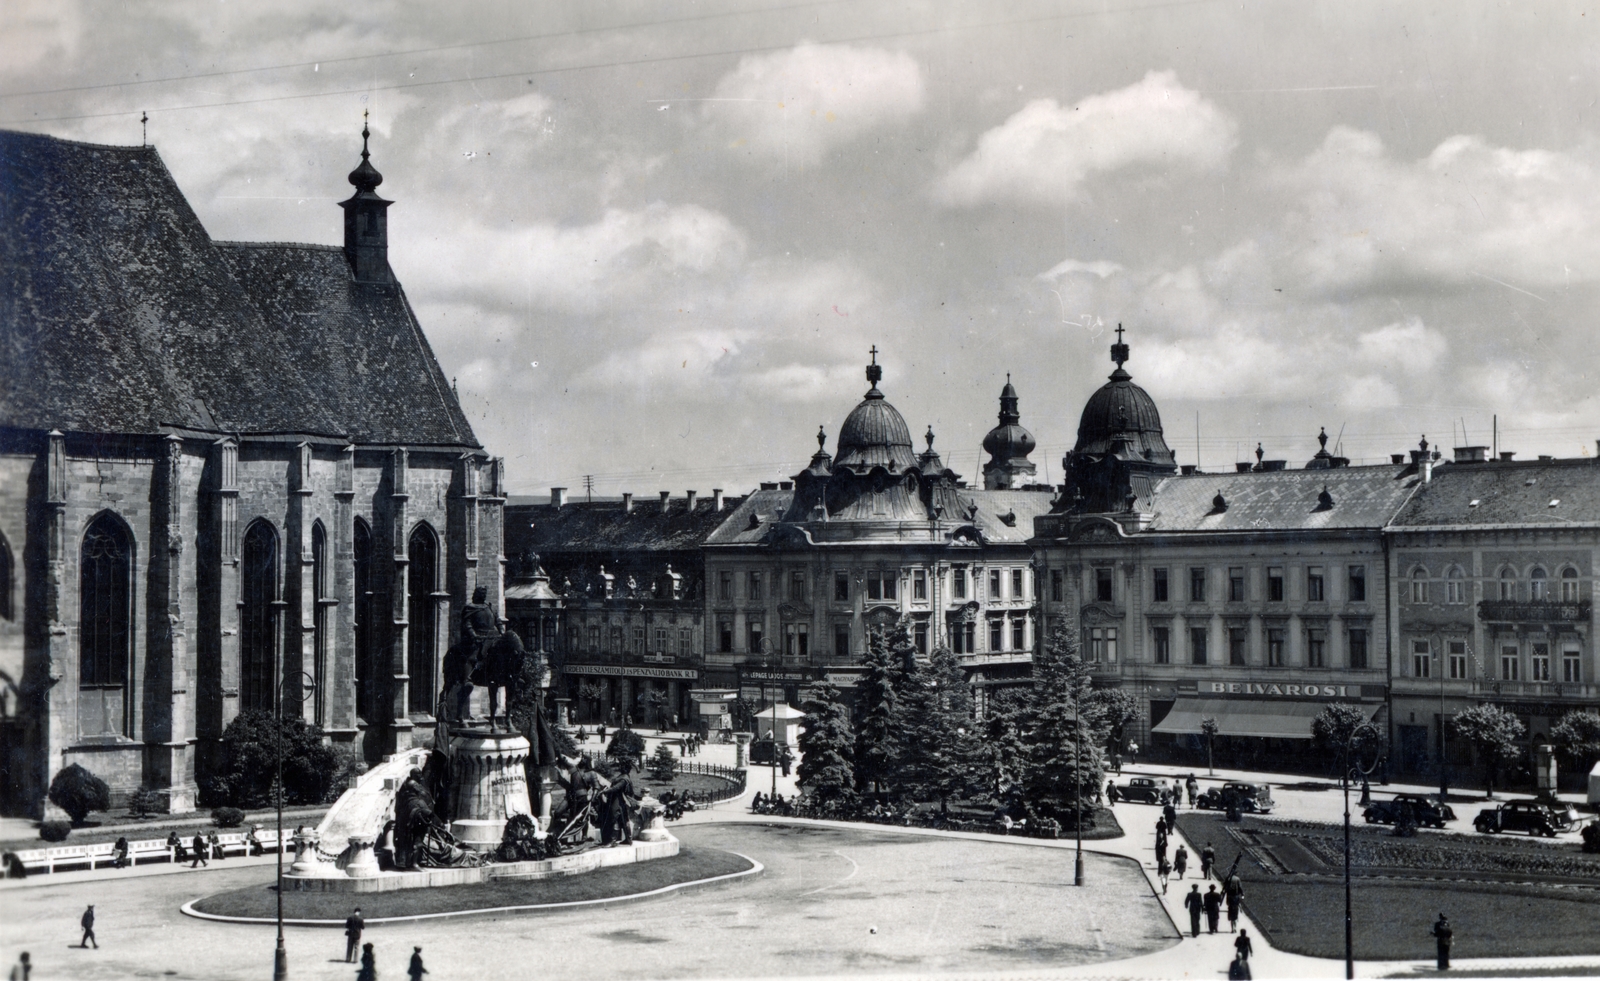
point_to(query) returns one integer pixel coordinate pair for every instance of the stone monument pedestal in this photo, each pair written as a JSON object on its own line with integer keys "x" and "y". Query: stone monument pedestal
{"x": 488, "y": 784}
{"x": 363, "y": 861}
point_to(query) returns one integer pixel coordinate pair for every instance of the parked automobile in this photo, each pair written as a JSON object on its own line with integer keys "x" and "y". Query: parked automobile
{"x": 1425, "y": 811}
{"x": 1250, "y": 798}
{"x": 1531, "y": 816}
{"x": 1142, "y": 790}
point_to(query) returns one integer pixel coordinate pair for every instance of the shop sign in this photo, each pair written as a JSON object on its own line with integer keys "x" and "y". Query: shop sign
{"x": 748, "y": 675}
{"x": 1282, "y": 691}
{"x": 629, "y": 671}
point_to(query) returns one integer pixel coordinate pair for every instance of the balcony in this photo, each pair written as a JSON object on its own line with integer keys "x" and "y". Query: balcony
{"x": 1533, "y": 611}
{"x": 1491, "y": 689}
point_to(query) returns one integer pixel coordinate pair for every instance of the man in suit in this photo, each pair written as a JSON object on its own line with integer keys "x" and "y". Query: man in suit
{"x": 201, "y": 849}
{"x": 1196, "y": 905}
{"x": 1213, "y": 904}
{"x": 88, "y": 928}
{"x": 1443, "y": 936}
{"x": 353, "y": 925}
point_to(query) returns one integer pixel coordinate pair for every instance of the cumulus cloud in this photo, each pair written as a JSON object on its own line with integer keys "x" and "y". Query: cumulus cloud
{"x": 1409, "y": 345}
{"x": 32, "y": 31}
{"x": 1046, "y": 151}
{"x": 1468, "y": 211}
{"x": 798, "y": 104}
{"x": 1101, "y": 268}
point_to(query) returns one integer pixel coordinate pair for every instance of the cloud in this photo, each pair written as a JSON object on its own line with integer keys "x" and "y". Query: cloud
{"x": 1100, "y": 267}
{"x": 1468, "y": 211}
{"x": 1409, "y": 345}
{"x": 1046, "y": 151}
{"x": 797, "y": 105}
{"x": 34, "y": 31}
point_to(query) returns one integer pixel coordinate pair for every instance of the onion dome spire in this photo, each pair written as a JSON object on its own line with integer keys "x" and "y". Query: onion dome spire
{"x": 365, "y": 178}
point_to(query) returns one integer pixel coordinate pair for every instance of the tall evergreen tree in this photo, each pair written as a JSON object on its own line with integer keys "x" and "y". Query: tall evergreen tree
{"x": 877, "y": 704}
{"x": 826, "y": 745}
{"x": 1063, "y": 772}
{"x": 938, "y": 744}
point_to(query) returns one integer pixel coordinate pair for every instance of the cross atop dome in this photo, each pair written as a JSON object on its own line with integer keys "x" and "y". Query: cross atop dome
{"x": 1119, "y": 350}
{"x": 874, "y": 375}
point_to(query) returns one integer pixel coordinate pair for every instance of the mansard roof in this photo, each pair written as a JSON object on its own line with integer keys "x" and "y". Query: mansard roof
{"x": 1281, "y": 500}
{"x": 607, "y": 527}
{"x": 749, "y": 523}
{"x": 1499, "y": 493}
{"x": 123, "y": 316}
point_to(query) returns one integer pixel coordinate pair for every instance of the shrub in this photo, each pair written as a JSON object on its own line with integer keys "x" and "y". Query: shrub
{"x": 54, "y": 830}
{"x": 227, "y": 817}
{"x": 77, "y": 791}
{"x": 663, "y": 764}
{"x": 250, "y": 745}
{"x": 142, "y": 803}
{"x": 626, "y": 743}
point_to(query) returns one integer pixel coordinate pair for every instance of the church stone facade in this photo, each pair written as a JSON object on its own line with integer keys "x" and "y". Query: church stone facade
{"x": 229, "y": 473}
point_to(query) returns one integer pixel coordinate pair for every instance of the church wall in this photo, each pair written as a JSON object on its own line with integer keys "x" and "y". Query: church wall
{"x": 16, "y": 720}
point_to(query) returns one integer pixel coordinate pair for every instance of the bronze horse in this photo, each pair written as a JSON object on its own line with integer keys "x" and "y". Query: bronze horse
{"x": 499, "y": 666}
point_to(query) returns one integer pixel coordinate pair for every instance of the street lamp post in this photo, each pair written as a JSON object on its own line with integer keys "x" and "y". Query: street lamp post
{"x": 1077, "y": 785}
{"x": 1348, "y": 772}
{"x": 280, "y": 956}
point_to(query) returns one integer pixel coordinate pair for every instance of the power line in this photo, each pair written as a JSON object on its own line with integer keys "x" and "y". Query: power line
{"x": 628, "y": 63}
{"x": 431, "y": 50}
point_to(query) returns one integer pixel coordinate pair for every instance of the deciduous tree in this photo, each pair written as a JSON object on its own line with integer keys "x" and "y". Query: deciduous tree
{"x": 1494, "y": 733}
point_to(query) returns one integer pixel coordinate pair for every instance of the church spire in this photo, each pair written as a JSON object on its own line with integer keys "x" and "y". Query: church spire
{"x": 1119, "y": 354}
{"x": 366, "y": 220}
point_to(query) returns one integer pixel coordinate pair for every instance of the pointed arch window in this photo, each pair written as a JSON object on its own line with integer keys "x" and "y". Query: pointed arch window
{"x": 319, "y": 622}
{"x": 258, "y": 616}
{"x": 366, "y": 675}
{"x": 105, "y": 626}
{"x": 8, "y": 609}
{"x": 422, "y": 577}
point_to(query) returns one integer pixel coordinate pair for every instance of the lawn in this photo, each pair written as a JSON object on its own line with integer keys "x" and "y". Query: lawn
{"x": 691, "y": 864}
{"x": 1498, "y": 900}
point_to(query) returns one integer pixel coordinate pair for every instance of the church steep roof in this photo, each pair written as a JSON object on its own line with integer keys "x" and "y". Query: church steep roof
{"x": 123, "y": 316}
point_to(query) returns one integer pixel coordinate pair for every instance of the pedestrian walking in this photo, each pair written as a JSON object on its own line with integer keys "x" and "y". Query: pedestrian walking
{"x": 1443, "y": 936}
{"x": 1163, "y": 869}
{"x": 416, "y": 970}
{"x": 88, "y": 929}
{"x": 1232, "y": 893}
{"x": 1213, "y": 904}
{"x": 1241, "y": 945}
{"x": 369, "y": 965}
{"x": 1180, "y": 861}
{"x": 353, "y": 925}
{"x": 1193, "y": 787}
{"x": 1171, "y": 814}
{"x": 1208, "y": 859}
{"x": 200, "y": 850}
{"x": 1239, "y": 970}
{"x": 23, "y": 968}
{"x": 1196, "y": 905}
{"x": 1161, "y": 846}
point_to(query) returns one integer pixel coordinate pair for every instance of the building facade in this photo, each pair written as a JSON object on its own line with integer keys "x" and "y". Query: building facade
{"x": 1253, "y": 597}
{"x": 875, "y": 532}
{"x": 1493, "y": 565}
{"x": 229, "y": 473}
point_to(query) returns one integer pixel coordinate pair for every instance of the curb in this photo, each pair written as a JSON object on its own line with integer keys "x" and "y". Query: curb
{"x": 756, "y": 868}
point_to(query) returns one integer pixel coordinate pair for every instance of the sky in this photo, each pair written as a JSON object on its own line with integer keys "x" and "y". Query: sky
{"x": 653, "y": 243}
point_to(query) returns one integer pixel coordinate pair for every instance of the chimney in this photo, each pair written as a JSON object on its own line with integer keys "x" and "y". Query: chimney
{"x": 1506, "y": 455}
{"x": 1187, "y": 469}
{"x": 716, "y": 498}
{"x": 690, "y": 495}
{"x": 558, "y": 496}
{"x": 1397, "y": 458}
{"x": 666, "y": 498}
{"x": 1545, "y": 458}
{"x": 1243, "y": 466}
{"x": 627, "y": 502}
{"x": 1427, "y": 468}
{"x": 1472, "y": 454}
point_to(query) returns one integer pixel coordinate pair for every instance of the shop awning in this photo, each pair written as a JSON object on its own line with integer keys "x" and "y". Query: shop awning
{"x": 1242, "y": 717}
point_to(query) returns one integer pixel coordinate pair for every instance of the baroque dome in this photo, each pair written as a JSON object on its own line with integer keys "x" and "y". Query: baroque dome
{"x": 874, "y": 434}
{"x": 1120, "y": 408}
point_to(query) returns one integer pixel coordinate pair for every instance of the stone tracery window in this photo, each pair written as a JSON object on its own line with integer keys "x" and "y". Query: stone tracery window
{"x": 105, "y": 625}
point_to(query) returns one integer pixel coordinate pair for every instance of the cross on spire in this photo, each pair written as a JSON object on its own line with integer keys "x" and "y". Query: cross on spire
{"x": 1119, "y": 333}
{"x": 1119, "y": 351}
{"x": 365, "y": 132}
{"x": 874, "y": 374}
{"x": 874, "y": 354}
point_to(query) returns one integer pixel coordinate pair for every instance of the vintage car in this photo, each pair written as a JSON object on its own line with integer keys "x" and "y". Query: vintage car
{"x": 1534, "y": 817}
{"x": 1424, "y": 811}
{"x": 1142, "y": 790}
{"x": 1250, "y": 798}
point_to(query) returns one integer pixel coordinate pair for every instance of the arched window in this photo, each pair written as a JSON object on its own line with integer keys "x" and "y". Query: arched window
{"x": 319, "y": 622}
{"x": 1455, "y": 586}
{"x": 1536, "y": 585}
{"x": 1569, "y": 585}
{"x": 8, "y": 609}
{"x": 1419, "y": 585}
{"x": 258, "y": 633}
{"x": 422, "y": 575}
{"x": 105, "y": 626}
{"x": 366, "y": 675}
{"x": 1508, "y": 584}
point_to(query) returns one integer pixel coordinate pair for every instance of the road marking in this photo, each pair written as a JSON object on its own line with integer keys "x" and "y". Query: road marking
{"x": 854, "y": 868}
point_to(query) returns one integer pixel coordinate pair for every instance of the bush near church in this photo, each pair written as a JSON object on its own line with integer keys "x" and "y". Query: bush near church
{"x": 55, "y": 830}
{"x": 227, "y": 817}
{"x": 250, "y": 745}
{"x": 663, "y": 764}
{"x": 626, "y": 743}
{"x": 77, "y": 791}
